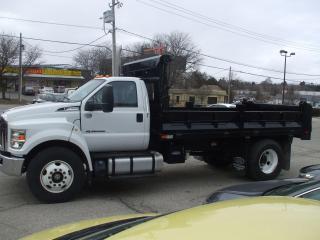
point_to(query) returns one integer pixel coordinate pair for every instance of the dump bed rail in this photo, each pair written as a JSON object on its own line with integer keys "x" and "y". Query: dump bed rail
{"x": 246, "y": 119}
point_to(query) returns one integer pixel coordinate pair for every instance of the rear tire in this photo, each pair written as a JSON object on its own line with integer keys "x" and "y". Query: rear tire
{"x": 264, "y": 161}
{"x": 56, "y": 174}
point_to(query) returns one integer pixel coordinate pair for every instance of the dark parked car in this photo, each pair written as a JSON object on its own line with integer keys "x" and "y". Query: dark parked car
{"x": 312, "y": 171}
{"x": 296, "y": 187}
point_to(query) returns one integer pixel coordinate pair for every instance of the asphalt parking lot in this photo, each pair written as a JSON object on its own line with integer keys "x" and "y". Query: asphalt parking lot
{"x": 176, "y": 187}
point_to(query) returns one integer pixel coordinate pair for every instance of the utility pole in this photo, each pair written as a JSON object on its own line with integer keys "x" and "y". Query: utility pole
{"x": 20, "y": 67}
{"x": 229, "y": 85}
{"x": 114, "y": 46}
{"x": 109, "y": 16}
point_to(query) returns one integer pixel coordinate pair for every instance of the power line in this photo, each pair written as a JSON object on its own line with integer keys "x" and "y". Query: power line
{"x": 25, "y": 42}
{"x": 90, "y": 44}
{"x": 74, "y": 49}
{"x": 86, "y": 44}
{"x": 57, "y": 41}
{"x": 52, "y": 23}
{"x": 225, "y": 26}
{"x": 222, "y": 59}
{"x": 186, "y": 11}
{"x": 254, "y": 74}
{"x": 46, "y": 54}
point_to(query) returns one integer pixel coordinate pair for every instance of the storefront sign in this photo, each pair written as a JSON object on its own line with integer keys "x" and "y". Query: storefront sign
{"x": 46, "y": 71}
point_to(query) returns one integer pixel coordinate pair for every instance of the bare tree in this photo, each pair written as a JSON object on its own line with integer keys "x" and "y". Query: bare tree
{"x": 9, "y": 50}
{"x": 97, "y": 60}
{"x": 31, "y": 56}
{"x": 136, "y": 51}
{"x": 180, "y": 44}
{"x": 290, "y": 95}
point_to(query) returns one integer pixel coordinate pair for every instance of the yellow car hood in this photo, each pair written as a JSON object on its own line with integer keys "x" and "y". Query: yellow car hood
{"x": 73, "y": 227}
{"x": 262, "y": 218}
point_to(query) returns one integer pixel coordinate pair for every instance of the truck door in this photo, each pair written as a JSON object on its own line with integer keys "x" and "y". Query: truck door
{"x": 124, "y": 128}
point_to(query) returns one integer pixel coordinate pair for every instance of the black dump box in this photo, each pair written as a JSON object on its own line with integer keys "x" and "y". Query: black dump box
{"x": 245, "y": 120}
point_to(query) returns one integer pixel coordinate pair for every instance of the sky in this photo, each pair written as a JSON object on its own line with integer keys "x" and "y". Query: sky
{"x": 247, "y": 31}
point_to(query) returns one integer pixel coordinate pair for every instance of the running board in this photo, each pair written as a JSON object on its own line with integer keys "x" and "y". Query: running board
{"x": 126, "y": 164}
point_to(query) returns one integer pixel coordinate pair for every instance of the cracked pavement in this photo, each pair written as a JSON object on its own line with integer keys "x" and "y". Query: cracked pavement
{"x": 177, "y": 187}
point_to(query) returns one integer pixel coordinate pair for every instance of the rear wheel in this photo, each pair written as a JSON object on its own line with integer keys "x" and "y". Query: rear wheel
{"x": 264, "y": 161}
{"x": 56, "y": 174}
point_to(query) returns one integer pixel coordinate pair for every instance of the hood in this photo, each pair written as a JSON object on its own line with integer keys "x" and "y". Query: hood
{"x": 245, "y": 218}
{"x": 41, "y": 110}
{"x": 249, "y": 189}
{"x": 60, "y": 231}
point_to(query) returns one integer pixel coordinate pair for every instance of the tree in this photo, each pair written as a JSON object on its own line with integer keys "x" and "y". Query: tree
{"x": 31, "y": 56}
{"x": 97, "y": 60}
{"x": 180, "y": 44}
{"x": 290, "y": 95}
{"x": 9, "y": 51}
{"x": 186, "y": 55}
{"x": 259, "y": 95}
{"x": 302, "y": 85}
{"x": 212, "y": 81}
{"x": 196, "y": 79}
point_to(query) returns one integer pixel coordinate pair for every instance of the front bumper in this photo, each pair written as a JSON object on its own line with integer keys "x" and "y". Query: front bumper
{"x": 11, "y": 165}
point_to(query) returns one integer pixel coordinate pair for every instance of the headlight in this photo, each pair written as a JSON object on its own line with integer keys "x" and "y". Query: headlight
{"x": 18, "y": 138}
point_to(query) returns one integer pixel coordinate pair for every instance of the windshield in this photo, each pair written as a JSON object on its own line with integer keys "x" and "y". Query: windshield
{"x": 290, "y": 189}
{"x": 85, "y": 90}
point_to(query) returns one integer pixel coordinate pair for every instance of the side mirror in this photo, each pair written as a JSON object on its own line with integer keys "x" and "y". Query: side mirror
{"x": 107, "y": 98}
{"x": 90, "y": 106}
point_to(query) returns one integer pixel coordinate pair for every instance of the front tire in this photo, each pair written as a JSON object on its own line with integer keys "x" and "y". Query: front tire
{"x": 264, "y": 161}
{"x": 56, "y": 174}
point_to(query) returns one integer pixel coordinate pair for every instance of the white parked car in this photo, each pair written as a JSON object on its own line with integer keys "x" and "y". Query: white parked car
{"x": 222, "y": 105}
{"x": 69, "y": 91}
{"x": 46, "y": 90}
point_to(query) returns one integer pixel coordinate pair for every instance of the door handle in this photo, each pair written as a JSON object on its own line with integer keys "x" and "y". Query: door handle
{"x": 139, "y": 117}
{"x": 88, "y": 115}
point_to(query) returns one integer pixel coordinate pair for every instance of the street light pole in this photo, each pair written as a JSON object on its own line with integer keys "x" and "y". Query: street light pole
{"x": 284, "y": 78}
{"x": 229, "y": 85}
{"x": 285, "y": 54}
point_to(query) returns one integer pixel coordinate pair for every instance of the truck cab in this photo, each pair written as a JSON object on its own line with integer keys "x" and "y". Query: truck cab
{"x": 124, "y": 126}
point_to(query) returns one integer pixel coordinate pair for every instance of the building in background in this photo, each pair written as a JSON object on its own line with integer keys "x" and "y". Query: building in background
{"x": 311, "y": 97}
{"x": 47, "y": 75}
{"x": 203, "y": 96}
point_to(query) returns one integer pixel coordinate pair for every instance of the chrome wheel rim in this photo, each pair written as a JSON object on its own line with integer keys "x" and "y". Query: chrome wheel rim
{"x": 268, "y": 161}
{"x": 56, "y": 176}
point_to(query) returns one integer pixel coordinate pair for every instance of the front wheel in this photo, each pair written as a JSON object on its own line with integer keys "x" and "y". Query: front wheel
{"x": 56, "y": 174}
{"x": 265, "y": 159}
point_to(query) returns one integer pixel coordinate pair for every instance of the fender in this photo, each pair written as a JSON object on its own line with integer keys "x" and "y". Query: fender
{"x": 77, "y": 138}
{"x": 48, "y": 129}
{"x": 40, "y": 131}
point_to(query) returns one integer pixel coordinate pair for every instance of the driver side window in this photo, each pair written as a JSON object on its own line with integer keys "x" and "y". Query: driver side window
{"x": 124, "y": 95}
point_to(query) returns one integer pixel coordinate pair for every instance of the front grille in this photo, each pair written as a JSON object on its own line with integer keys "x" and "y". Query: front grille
{"x": 3, "y": 134}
